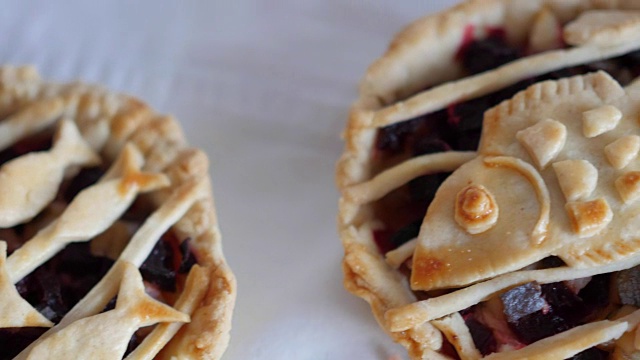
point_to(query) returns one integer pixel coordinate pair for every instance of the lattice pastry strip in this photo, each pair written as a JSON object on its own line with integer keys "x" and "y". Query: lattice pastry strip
{"x": 112, "y": 196}
{"x": 568, "y": 343}
{"x": 409, "y": 316}
{"x": 193, "y": 293}
{"x": 398, "y": 175}
{"x": 458, "y": 335}
{"x": 135, "y": 253}
{"x": 589, "y": 49}
{"x": 106, "y": 335}
{"x": 35, "y": 177}
{"x": 14, "y": 310}
{"x": 482, "y": 84}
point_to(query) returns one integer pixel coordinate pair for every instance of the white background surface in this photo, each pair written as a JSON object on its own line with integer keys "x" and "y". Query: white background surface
{"x": 264, "y": 88}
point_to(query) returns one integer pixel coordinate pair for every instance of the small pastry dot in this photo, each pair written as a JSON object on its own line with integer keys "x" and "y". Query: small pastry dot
{"x": 577, "y": 178}
{"x": 622, "y": 151}
{"x": 545, "y": 32}
{"x": 628, "y": 186}
{"x": 589, "y": 217}
{"x": 600, "y": 120}
{"x": 476, "y": 210}
{"x": 543, "y": 141}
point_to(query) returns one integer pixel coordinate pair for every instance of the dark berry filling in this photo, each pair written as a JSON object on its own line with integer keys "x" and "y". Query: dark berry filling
{"x": 522, "y": 301}
{"x": 423, "y": 188}
{"x": 57, "y": 285}
{"x": 53, "y": 289}
{"x": 591, "y": 354}
{"x": 168, "y": 258}
{"x": 482, "y": 336}
{"x": 448, "y": 350}
{"x": 14, "y": 340}
{"x": 596, "y": 293}
{"x": 628, "y": 286}
{"x": 392, "y": 138}
{"x": 85, "y": 178}
{"x": 551, "y": 262}
{"x": 159, "y": 266}
{"x": 188, "y": 258}
{"x": 381, "y": 238}
{"x": 60, "y": 283}
{"x": 489, "y": 53}
{"x": 535, "y": 311}
{"x": 38, "y": 142}
{"x": 406, "y": 233}
{"x": 543, "y": 319}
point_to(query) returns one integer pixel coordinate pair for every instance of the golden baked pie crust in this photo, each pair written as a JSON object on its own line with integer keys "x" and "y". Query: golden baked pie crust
{"x": 110, "y": 122}
{"x": 419, "y": 57}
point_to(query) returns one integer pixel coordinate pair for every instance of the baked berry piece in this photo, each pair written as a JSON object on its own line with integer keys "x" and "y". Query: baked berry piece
{"x": 490, "y": 184}
{"x": 110, "y": 246}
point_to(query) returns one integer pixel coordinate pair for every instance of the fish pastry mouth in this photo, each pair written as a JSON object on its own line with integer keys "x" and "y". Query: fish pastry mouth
{"x": 535, "y": 112}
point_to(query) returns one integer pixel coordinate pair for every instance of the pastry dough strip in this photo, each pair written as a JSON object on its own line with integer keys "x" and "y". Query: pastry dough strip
{"x": 456, "y": 331}
{"x": 566, "y": 344}
{"x": 571, "y": 342}
{"x": 194, "y": 291}
{"x": 481, "y": 84}
{"x": 33, "y": 118}
{"x": 408, "y": 316}
{"x": 66, "y": 229}
{"x": 136, "y": 252}
{"x": 400, "y": 174}
{"x": 396, "y": 257}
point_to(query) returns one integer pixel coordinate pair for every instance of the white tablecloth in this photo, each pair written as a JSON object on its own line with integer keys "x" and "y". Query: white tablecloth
{"x": 264, "y": 88}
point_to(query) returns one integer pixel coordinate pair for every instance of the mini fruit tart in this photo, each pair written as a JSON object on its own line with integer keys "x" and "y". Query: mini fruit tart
{"x": 109, "y": 243}
{"x": 491, "y": 182}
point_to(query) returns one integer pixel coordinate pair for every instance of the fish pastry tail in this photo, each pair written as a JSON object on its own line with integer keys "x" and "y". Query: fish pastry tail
{"x": 69, "y": 143}
{"x": 144, "y": 181}
{"x": 136, "y": 303}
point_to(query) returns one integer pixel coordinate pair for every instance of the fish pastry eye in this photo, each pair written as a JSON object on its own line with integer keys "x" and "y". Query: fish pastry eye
{"x": 476, "y": 210}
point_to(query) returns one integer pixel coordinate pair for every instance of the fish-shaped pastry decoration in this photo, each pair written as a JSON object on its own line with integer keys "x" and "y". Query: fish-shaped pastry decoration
{"x": 557, "y": 173}
{"x": 106, "y": 336}
{"x": 108, "y": 199}
{"x": 30, "y": 182}
{"x": 14, "y": 310}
